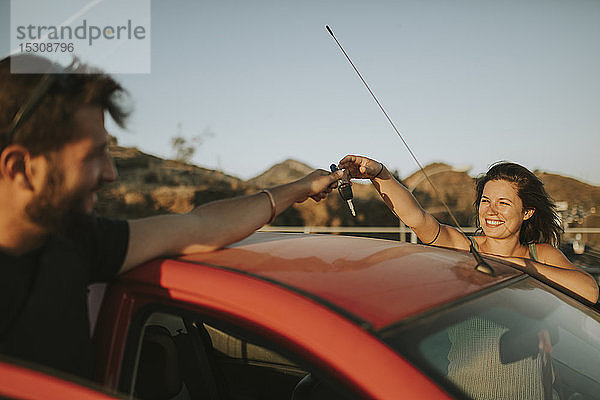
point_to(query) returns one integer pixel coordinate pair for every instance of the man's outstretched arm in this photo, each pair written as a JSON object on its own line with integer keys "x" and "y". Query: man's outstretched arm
{"x": 218, "y": 223}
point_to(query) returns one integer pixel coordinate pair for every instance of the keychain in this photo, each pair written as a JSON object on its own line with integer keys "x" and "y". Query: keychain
{"x": 345, "y": 190}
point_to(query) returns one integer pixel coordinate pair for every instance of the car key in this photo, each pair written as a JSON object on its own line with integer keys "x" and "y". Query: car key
{"x": 345, "y": 190}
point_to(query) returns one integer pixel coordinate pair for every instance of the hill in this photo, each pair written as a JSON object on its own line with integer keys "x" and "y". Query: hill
{"x": 149, "y": 185}
{"x": 284, "y": 172}
{"x": 571, "y": 190}
{"x": 454, "y": 186}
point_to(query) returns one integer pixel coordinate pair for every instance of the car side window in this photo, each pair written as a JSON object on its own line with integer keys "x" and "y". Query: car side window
{"x": 473, "y": 362}
{"x": 522, "y": 341}
{"x": 183, "y": 356}
{"x": 159, "y": 368}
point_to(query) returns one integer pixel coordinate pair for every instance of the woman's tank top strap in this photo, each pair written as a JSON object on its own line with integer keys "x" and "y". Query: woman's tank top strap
{"x": 532, "y": 248}
{"x": 533, "y": 251}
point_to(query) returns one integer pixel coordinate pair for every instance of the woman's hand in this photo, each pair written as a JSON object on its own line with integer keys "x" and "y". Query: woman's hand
{"x": 359, "y": 167}
{"x": 402, "y": 203}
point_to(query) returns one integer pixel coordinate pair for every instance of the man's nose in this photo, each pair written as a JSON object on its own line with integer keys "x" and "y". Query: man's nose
{"x": 109, "y": 170}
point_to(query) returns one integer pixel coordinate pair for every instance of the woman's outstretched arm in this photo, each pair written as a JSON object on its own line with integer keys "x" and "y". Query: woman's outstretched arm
{"x": 554, "y": 265}
{"x": 403, "y": 203}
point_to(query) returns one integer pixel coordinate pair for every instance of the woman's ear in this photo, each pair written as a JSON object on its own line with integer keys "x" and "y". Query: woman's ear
{"x": 528, "y": 213}
{"x": 15, "y": 166}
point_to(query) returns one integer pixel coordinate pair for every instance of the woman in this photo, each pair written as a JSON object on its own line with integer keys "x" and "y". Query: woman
{"x": 515, "y": 215}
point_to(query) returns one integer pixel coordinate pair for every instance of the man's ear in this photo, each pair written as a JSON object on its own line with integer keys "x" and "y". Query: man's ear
{"x": 15, "y": 165}
{"x": 528, "y": 213}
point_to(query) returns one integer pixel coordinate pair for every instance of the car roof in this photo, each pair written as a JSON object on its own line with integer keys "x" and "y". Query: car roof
{"x": 379, "y": 282}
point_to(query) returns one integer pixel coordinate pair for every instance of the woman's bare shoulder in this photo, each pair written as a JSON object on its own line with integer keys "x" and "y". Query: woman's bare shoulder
{"x": 548, "y": 254}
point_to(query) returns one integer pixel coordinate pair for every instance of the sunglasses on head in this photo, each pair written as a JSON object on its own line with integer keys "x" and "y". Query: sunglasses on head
{"x": 59, "y": 75}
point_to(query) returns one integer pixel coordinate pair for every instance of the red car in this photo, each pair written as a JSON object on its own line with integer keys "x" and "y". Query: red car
{"x": 286, "y": 316}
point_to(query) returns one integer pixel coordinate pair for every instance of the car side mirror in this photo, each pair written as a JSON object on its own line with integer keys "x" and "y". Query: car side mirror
{"x": 517, "y": 344}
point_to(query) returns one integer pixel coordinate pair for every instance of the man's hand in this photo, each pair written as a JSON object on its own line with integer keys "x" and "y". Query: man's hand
{"x": 318, "y": 184}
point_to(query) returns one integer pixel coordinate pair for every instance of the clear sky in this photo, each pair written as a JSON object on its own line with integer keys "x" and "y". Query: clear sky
{"x": 468, "y": 82}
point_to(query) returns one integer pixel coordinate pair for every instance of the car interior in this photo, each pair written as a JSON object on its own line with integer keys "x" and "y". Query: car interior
{"x": 182, "y": 358}
{"x": 521, "y": 341}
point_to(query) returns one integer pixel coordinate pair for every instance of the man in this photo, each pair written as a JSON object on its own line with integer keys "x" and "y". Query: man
{"x": 53, "y": 160}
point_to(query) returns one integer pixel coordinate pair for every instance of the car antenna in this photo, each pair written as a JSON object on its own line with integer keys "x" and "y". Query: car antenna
{"x": 482, "y": 265}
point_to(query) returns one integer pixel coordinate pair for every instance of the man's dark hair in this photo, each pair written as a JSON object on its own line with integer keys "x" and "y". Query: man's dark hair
{"x": 48, "y": 126}
{"x": 543, "y": 226}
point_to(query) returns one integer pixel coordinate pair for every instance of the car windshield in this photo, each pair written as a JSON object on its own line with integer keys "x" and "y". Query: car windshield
{"x": 525, "y": 340}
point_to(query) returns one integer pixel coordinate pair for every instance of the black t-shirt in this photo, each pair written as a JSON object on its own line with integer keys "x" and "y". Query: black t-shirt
{"x": 43, "y": 295}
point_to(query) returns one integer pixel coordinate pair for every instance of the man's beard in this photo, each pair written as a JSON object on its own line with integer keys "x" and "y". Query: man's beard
{"x": 54, "y": 210}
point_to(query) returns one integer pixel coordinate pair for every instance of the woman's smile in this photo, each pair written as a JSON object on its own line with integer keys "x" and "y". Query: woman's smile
{"x": 493, "y": 222}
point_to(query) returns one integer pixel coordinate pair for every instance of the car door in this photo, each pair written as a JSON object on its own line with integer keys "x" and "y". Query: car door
{"x": 173, "y": 352}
